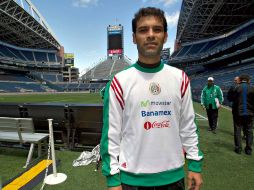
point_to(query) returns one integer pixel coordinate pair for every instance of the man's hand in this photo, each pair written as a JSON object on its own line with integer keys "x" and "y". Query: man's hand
{"x": 194, "y": 181}
{"x": 115, "y": 188}
{"x": 203, "y": 107}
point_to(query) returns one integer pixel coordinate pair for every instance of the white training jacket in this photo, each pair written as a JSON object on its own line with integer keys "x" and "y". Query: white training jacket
{"x": 148, "y": 126}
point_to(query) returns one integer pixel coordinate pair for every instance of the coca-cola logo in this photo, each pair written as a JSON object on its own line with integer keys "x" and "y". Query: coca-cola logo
{"x": 150, "y": 125}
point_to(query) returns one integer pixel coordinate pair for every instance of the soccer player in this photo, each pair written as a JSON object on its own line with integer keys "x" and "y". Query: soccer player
{"x": 149, "y": 118}
{"x": 211, "y": 100}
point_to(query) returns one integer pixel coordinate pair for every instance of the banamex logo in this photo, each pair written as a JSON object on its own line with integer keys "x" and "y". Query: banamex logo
{"x": 150, "y": 125}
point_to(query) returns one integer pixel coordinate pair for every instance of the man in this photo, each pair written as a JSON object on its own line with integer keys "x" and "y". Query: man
{"x": 149, "y": 118}
{"x": 211, "y": 100}
{"x": 231, "y": 96}
{"x": 244, "y": 101}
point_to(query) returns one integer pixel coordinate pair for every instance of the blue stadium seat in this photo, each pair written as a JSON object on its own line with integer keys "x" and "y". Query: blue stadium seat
{"x": 216, "y": 45}
{"x": 29, "y": 55}
{"x": 5, "y": 51}
{"x": 41, "y": 56}
{"x": 52, "y": 57}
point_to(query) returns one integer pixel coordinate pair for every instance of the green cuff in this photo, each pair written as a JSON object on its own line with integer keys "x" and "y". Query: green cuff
{"x": 194, "y": 166}
{"x": 113, "y": 180}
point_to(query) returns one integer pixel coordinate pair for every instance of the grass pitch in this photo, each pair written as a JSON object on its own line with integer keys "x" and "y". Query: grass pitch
{"x": 222, "y": 168}
{"x": 52, "y": 98}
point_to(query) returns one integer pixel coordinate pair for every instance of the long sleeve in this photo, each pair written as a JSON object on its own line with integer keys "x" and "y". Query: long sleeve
{"x": 188, "y": 129}
{"x": 220, "y": 95}
{"x": 111, "y": 133}
{"x": 230, "y": 94}
{"x": 203, "y": 97}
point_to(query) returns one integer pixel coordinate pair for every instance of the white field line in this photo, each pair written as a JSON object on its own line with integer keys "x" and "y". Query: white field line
{"x": 201, "y": 116}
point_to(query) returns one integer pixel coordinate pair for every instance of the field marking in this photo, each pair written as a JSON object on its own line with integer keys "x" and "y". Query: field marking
{"x": 227, "y": 108}
{"x": 201, "y": 117}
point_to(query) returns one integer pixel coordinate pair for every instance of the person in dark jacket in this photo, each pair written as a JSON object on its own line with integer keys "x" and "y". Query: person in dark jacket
{"x": 231, "y": 97}
{"x": 244, "y": 100}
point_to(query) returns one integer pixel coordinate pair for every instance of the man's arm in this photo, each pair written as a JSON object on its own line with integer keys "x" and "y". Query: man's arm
{"x": 110, "y": 140}
{"x": 230, "y": 93}
{"x": 220, "y": 95}
{"x": 188, "y": 132}
{"x": 203, "y": 98}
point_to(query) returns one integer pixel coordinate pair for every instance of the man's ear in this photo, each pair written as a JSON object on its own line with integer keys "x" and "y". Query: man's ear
{"x": 134, "y": 38}
{"x": 166, "y": 37}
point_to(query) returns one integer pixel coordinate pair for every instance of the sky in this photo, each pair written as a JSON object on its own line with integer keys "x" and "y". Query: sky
{"x": 81, "y": 25}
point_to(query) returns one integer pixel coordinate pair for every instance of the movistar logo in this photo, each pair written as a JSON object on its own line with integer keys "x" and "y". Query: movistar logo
{"x": 148, "y": 103}
{"x": 145, "y": 103}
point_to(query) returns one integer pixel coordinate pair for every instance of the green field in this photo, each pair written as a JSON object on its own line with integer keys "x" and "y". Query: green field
{"x": 54, "y": 98}
{"x": 223, "y": 169}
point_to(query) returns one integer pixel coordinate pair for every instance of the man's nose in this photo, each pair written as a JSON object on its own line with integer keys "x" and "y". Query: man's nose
{"x": 150, "y": 33}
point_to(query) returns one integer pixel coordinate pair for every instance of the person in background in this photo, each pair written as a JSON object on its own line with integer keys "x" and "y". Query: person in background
{"x": 244, "y": 100}
{"x": 231, "y": 98}
{"x": 148, "y": 118}
{"x": 211, "y": 100}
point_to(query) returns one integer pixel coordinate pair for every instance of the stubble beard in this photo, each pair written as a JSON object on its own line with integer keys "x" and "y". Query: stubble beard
{"x": 149, "y": 53}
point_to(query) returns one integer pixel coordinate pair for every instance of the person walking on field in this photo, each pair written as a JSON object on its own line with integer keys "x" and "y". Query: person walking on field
{"x": 148, "y": 118}
{"x": 231, "y": 96}
{"x": 244, "y": 100}
{"x": 211, "y": 100}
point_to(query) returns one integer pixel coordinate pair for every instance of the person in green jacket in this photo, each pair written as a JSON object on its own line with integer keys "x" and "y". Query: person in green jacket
{"x": 211, "y": 100}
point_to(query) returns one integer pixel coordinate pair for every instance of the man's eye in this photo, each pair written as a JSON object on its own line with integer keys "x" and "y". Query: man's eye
{"x": 142, "y": 30}
{"x": 157, "y": 30}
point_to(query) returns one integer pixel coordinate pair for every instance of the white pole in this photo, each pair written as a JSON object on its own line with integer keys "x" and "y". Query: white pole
{"x": 51, "y": 133}
{"x": 54, "y": 178}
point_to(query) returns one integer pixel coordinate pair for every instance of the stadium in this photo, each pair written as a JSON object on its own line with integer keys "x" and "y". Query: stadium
{"x": 214, "y": 39}
{"x": 38, "y": 81}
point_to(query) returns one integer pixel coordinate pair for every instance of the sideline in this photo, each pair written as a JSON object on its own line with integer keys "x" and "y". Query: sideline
{"x": 201, "y": 117}
{"x": 227, "y": 108}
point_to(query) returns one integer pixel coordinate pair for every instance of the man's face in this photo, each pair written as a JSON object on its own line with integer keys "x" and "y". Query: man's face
{"x": 210, "y": 83}
{"x": 149, "y": 36}
{"x": 236, "y": 80}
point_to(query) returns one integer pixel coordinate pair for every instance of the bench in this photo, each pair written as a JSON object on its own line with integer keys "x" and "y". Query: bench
{"x": 21, "y": 130}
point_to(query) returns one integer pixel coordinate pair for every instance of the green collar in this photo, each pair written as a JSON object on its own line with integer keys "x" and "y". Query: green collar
{"x": 149, "y": 70}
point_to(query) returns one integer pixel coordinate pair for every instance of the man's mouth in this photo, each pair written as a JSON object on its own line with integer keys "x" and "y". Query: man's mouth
{"x": 151, "y": 44}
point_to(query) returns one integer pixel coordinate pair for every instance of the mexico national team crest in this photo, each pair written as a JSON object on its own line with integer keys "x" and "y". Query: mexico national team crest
{"x": 155, "y": 88}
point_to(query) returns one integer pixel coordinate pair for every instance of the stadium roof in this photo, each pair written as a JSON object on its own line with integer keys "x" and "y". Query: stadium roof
{"x": 19, "y": 28}
{"x": 200, "y": 19}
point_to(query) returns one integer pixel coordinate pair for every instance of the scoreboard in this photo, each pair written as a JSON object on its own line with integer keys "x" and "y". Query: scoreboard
{"x": 115, "y": 40}
{"x": 69, "y": 59}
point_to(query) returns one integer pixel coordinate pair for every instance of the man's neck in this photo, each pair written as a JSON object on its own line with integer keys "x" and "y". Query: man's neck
{"x": 144, "y": 65}
{"x": 149, "y": 60}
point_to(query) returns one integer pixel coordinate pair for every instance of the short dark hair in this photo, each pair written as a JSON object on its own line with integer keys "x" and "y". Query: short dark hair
{"x": 149, "y": 11}
{"x": 244, "y": 78}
